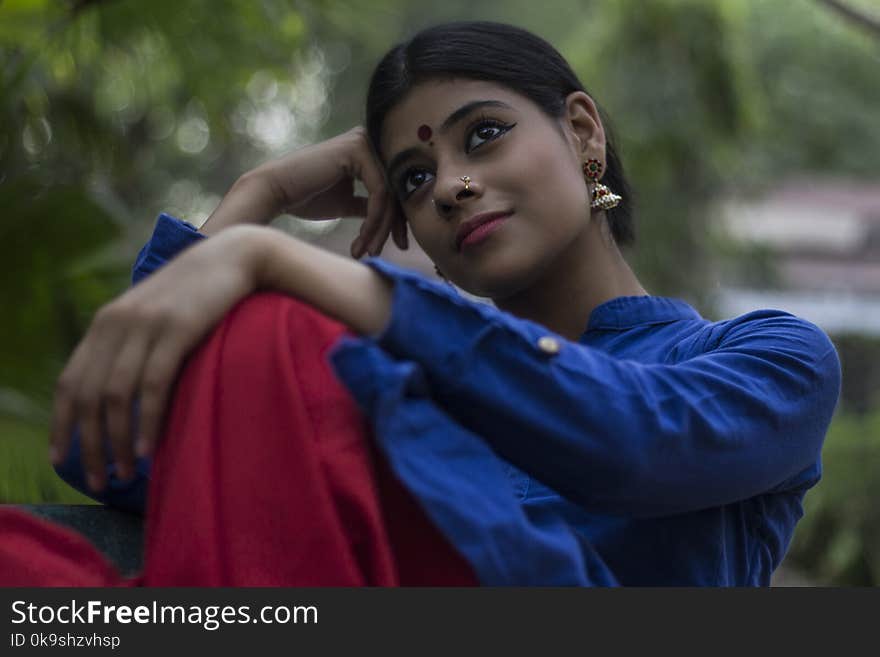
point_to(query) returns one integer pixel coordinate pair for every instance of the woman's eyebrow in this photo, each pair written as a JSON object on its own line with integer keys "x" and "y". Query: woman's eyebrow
{"x": 466, "y": 109}
{"x": 454, "y": 118}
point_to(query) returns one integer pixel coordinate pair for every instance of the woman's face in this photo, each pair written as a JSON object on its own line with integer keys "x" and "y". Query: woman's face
{"x": 519, "y": 161}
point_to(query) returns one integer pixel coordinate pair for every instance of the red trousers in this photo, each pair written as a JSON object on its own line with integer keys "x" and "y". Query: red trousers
{"x": 267, "y": 475}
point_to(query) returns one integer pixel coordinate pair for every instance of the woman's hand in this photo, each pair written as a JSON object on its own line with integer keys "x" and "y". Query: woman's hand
{"x": 317, "y": 182}
{"x": 136, "y": 344}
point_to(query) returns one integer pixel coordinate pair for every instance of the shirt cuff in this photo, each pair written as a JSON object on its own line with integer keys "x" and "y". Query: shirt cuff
{"x": 434, "y": 325}
{"x": 170, "y": 236}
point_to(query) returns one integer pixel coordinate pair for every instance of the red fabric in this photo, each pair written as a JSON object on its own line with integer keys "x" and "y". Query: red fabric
{"x": 35, "y": 552}
{"x": 266, "y": 476}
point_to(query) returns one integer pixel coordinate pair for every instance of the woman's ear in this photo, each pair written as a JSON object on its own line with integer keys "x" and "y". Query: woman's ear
{"x": 582, "y": 119}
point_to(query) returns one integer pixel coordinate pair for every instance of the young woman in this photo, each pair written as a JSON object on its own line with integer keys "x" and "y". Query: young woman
{"x": 581, "y": 431}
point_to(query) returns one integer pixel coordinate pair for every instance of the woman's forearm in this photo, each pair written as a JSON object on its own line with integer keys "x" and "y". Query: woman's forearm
{"x": 317, "y": 182}
{"x": 251, "y": 200}
{"x": 338, "y": 286}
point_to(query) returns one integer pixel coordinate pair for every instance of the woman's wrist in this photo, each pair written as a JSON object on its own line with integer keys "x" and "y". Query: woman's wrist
{"x": 252, "y": 199}
{"x": 338, "y": 286}
{"x": 251, "y": 247}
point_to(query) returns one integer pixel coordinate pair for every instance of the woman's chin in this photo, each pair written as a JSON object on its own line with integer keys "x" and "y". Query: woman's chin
{"x": 495, "y": 283}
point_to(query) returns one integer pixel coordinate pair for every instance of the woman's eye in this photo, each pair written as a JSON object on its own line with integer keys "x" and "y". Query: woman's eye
{"x": 412, "y": 180}
{"x": 485, "y": 131}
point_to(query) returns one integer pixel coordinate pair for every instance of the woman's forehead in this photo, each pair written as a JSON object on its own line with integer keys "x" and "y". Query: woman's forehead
{"x": 431, "y": 103}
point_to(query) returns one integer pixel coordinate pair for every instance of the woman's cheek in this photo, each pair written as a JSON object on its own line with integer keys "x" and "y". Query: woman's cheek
{"x": 430, "y": 242}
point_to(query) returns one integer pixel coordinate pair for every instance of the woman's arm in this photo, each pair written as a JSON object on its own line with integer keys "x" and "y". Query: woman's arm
{"x": 614, "y": 435}
{"x": 135, "y": 344}
{"x": 345, "y": 289}
{"x": 317, "y": 182}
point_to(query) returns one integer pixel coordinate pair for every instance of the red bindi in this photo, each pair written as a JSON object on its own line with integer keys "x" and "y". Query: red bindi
{"x": 424, "y": 133}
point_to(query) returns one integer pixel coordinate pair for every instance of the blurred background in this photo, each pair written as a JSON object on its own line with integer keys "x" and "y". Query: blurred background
{"x": 750, "y": 130}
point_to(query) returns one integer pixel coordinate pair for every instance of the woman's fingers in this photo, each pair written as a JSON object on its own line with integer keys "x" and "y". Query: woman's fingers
{"x": 398, "y": 227}
{"x": 372, "y": 237}
{"x": 136, "y": 345}
{"x": 63, "y": 414}
{"x": 372, "y": 224}
{"x": 119, "y": 394}
{"x": 158, "y": 380}
{"x": 376, "y": 208}
{"x": 78, "y": 398}
{"x": 88, "y": 410}
{"x": 368, "y": 227}
{"x": 376, "y": 226}
{"x": 64, "y": 403}
{"x": 96, "y": 391}
{"x": 380, "y": 228}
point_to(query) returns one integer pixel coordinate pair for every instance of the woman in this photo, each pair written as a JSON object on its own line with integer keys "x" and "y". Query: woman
{"x": 580, "y": 432}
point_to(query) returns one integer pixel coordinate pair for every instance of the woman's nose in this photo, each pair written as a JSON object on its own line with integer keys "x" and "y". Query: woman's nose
{"x": 452, "y": 190}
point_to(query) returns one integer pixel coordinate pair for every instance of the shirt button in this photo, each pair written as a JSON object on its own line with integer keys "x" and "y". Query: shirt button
{"x": 548, "y": 345}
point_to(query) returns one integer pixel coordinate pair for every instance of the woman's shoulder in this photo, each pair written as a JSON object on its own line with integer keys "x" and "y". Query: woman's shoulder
{"x": 770, "y": 325}
{"x": 781, "y": 342}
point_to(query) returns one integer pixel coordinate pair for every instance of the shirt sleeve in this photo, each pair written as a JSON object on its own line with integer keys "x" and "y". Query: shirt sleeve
{"x": 615, "y": 435}
{"x": 459, "y": 481}
{"x": 170, "y": 237}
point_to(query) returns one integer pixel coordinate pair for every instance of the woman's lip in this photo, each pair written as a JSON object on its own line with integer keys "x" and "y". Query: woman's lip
{"x": 483, "y": 231}
{"x": 478, "y": 219}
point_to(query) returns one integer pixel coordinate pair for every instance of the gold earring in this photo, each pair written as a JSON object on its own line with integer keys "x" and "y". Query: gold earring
{"x": 602, "y": 198}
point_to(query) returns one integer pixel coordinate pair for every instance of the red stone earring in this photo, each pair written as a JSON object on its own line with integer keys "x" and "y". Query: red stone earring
{"x": 593, "y": 170}
{"x": 602, "y": 197}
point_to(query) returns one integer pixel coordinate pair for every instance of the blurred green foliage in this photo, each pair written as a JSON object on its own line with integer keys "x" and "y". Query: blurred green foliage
{"x": 114, "y": 110}
{"x": 838, "y": 540}
{"x": 25, "y": 473}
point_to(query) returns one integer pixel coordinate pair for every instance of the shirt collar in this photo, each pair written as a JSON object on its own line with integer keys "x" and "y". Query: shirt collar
{"x": 627, "y": 312}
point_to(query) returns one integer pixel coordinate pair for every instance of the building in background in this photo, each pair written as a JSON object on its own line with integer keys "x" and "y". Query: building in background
{"x": 825, "y": 236}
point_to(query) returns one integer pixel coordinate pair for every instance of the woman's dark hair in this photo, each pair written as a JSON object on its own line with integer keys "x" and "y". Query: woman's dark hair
{"x": 494, "y": 52}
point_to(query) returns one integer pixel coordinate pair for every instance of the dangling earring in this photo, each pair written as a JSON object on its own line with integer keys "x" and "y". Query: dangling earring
{"x": 440, "y": 275}
{"x": 603, "y": 198}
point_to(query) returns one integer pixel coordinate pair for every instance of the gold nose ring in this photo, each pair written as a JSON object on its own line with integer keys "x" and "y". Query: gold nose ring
{"x": 467, "y": 182}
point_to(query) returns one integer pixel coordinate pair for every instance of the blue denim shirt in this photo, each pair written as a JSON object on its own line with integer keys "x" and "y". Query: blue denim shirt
{"x": 659, "y": 449}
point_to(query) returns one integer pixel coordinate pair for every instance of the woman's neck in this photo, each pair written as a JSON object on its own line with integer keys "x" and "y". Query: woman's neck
{"x": 590, "y": 272}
